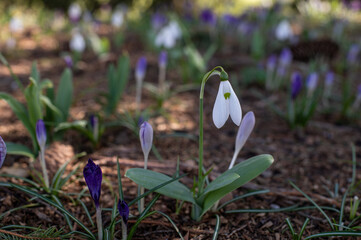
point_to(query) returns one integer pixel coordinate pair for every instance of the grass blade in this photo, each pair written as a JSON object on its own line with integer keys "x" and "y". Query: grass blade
{"x": 216, "y": 229}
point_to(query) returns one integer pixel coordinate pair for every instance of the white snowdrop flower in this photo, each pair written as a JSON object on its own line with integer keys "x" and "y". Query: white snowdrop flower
{"x": 74, "y": 12}
{"x": 284, "y": 30}
{"x": 117, "y": 18}
{"x": 77, "y": 42}
{"x": 167, "y": 36}
{"x": 226, "y": 104}
{"x": 16, "y": 25}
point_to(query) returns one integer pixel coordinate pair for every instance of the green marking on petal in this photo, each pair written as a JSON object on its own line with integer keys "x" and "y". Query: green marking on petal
{"x": 227, "y": 95}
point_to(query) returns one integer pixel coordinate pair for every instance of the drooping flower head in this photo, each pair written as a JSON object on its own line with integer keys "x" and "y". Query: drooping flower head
{"x": 168, "y": 35}
{"x": 163, "y": 59}
{"x": 296, "y": 84}
{"x": 2, "y": 151}
{"x": 77, "y": 42}
{"x": 123, "y": 210}
{"x": 226, "y": 104}
{"x": 146, "y": 137}
{"x": 93, "y": 178}
{"x": 208, "y": 17}
{"x": 41, "y": 133}
{"x": 141, "y": 68}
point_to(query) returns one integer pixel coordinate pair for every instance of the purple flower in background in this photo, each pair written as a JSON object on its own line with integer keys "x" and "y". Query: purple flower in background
{"x": 352, "y": 53}
{"x": 296, "y": 84}
{"x": 68, "y": 61}
{"x": 358, "y": 93}
{"x": 163, "y": 59}
{"x": 208, "y": 17}
{"x": 93, "y": 120}
{"x": 158, "y": 20}
{"x": 2, "y": 151}
{"x": 271, "y": 62}
{"x": 246, "y": 28}
{"x": 41, "y": 133}
{"x": 311, "y": 82}
{"x": 146, "y": 137}
{"x": 141, "y": 67}
{"x": 285, "y": 57}
{"x": 123, "y": 210}
{"x": 93, "y": 178}
{"x": 330, "y": 78}
{"x": 230, "y": 19}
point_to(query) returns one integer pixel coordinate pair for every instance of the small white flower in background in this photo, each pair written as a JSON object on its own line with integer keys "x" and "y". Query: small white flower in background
{"x": 168, "y": 35}
{"x": 243, "y": 134}
{"x": 117, "y": 18}
{"x": 16, "y": 25}
{"x": 2, "y": 151}
{"x": 226, "y": 104}
{"x": 77, "y": 42}
{"x": 74, "y": 12}
{"x": 284, "y": 30}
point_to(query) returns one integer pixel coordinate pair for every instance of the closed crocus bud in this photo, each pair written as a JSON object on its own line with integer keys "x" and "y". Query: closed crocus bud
{"x": 77, "y": 43}
{"x": 146, "y": 137}
{"x": 330, "y": 78}
{"x": 123, "y": 210}
{"x": 285, "y": 57}
{"x": 284, "y": 30}
{"x": 311, "y": 82}
{"x": 163, "y": 59}
{"x": 41, "y": 133}
{"x": 271, "y": 62}
{"x": 2, "y": 151}
{"x": 74, "y": 12}
{"x": 296, "y": 84}
{"x": 208, "y": 17}
{"x": 353, "y": 53}
{"x": 93, "y": 178}
{"x": 68, "y": 61}
{"x": 141, "y": 68}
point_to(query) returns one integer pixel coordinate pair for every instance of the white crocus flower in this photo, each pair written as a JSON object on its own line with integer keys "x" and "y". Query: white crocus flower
{"x": 117, "y": 18}
{"x": 77, "y": 43}
{"x": 74, "y": 12}
{"x": 284, "y": 30}
{"x": 226, "y": 104}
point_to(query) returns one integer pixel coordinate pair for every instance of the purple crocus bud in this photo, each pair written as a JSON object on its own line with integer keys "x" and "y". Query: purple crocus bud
{"x": 296, "y": 84}
{"x": 146, "y": 137}
{"x": 352, "y": 53}
{"x": 93, "y": 178}
{"x": 123, "y": 210}
{"x": 285, "y": 57}
{"x": 158, "y": 20}
{"x": 163, "y": 59}
{"x": 271, "y": 62}
{"x": 2, "y": 151}
{"x": 68, "y": 61}
{"x": 311, "y": 82}
{"x": 230, "y": 19}
{"x": 93, "y": 120}
{"x": 330, "y": 78}
{"x": 208, "y": 17}
{"x": 141, "y": 67}
{"x": 41, "y": 133}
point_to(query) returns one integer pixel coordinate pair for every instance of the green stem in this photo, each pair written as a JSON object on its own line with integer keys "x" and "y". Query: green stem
{"x": 200, "y": 157}
{"x": 99, "y": 222}
{"x": 43, "y": 167}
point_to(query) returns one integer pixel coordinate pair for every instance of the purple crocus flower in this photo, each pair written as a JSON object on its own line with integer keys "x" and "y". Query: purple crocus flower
{"x": 123, "y": 210}
{"x": 230, "y": 19}
{"x": 285, "y": 57}
{"x": 93, "y": 178}
{"x": 158, "y": 20}
{"x": 208, "y": 17}
{"x": 2, "y": 151}
{"x": 93, "y": 120}
{"x": 296, "y": 84}
{"x": 311, "y": 82}
{"x": 68, "y": 61}
{"x": 271, "y": 62}
{"x": 330, "y": 78}
{"x": 41, "y": 133}
{"x": 352, "y": 53}
{"x": 146, "y": 137}
{"x": 163, "y": 59}
{"x": 141, "y": 67}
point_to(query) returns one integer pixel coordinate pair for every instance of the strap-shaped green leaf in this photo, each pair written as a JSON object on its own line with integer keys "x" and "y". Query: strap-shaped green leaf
{"x": 221, "y": 181}
{"x": 64, "y": 94}
{"x": 19, "y": 149}
{"x": 247, "y": 170}
{"x": 149, "y": 179}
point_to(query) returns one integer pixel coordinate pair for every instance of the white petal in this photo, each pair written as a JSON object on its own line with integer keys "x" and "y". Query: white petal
{"x": 235, "y": 109}
{"x": 220, "y": 108}
{"x": 245, "y": 130}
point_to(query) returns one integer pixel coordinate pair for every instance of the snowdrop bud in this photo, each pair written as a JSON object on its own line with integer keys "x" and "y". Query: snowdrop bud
{"x": 68, "y": 61}
{"x": 141, "y": 67}
{"x": 245, "y": 130}
{"x": 41, "y": 133}
{"x": 208, "y": 17}
{"x": 15, "y": 25}
{"x": 2, "y": 151}
{"x": 77, "y": 43}
{"x": 271, "y": 63}
{"x": 330, "y": 78}
{"x": 117, "y": 18}
{"x": 163, "y": 59}
{"x": 311, "y": 83}
{"x": 296, "y": 84}
{"x": 352, "y": 54}
{"x": 284, "y": 30}
{"x": 93, "y": 178}
{"x": 123, "y": 210}
{"x": 74, "y": 12}
{"x": 146, "y": 137}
